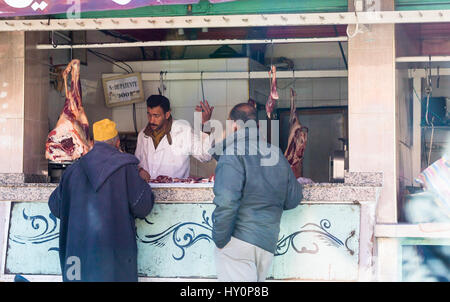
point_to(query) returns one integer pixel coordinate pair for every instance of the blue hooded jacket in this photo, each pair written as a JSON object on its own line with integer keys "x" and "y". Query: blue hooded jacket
{"x": 97, "y": 201}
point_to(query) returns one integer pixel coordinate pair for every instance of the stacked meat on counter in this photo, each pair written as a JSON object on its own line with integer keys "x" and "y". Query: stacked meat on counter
{"x": 163, "y": 179}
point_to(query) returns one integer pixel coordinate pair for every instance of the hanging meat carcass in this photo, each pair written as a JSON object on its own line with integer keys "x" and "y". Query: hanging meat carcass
{"x": 70, "y": 138}
{"x": 298, "y": 137}
{"x": 273, "y": 96}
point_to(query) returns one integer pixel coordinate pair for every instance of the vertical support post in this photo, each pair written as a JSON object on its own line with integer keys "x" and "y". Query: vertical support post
{"x": 417, "y": 131}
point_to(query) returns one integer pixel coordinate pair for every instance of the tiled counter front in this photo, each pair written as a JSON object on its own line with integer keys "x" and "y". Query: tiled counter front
{"x": 319, "y": 240}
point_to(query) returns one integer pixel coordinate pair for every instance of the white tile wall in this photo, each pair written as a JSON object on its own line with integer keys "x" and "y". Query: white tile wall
{"x": 184, "y": 113}
{"x": 216, "y": 92}
{"x": 184, "y": 65}
{"x": 326, "y": 89}
{"x": 151, "y": 87}
{"x": 237, "y": 92}
{"x": 137, "y": 66}
{"x": 155, "y": 66}
{"x": 239, "y": 64}
{"x": 184, "y": 93}
{"x": 123, "y": 117}
{"x": 224, "y": 94}
{"x": 212, "y": 65}
{"x": 220, "y": 113}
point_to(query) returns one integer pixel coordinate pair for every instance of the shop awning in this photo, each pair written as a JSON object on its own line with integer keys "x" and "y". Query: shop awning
{"x": 14, "y": 8}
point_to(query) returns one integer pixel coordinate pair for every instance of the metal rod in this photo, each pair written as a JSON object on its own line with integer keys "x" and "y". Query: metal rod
{"x": 425, "y": 59}
{"x": 196, "y": 43}
{"x": 341, "y": 48}
{"x": 236, "y": 75}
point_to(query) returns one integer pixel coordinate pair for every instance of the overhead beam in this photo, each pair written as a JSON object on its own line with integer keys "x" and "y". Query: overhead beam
{"x": 175, "y": 76}
{"x": 420, "y": 72}
{"x": 422, "y": 59}
{"x": 382, "y": 17}
{"x": 193, "y": 43}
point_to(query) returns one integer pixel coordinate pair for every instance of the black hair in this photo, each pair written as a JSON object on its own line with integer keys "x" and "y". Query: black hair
{"x": 159, "y": 100}
{"x": 244, "y": 112}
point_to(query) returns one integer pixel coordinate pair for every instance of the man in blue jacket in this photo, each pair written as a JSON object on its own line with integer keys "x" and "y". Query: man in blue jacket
{"x": 97, "y": 201}
{"x": 254, "y": 183}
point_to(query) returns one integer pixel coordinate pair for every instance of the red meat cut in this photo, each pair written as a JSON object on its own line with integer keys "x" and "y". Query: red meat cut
{"x": 70, "y": 138}
{"x": 273, "y": 96}
{"x": 298, "y": 137}
{"x": 164, "y": 179}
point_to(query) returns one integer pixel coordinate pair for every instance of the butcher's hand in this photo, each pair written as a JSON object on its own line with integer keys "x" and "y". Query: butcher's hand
{"x": 144, "y": 175}
{"x": 205, "y": 109}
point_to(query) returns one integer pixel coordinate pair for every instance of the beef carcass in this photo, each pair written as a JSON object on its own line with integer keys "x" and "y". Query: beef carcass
{"x": 70, "y": 138}
{"x": 273, "y": 96}
{"x": 298, "y": 137}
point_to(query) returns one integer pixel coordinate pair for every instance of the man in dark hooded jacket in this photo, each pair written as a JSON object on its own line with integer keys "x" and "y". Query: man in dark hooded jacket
{"x": 97, "y": 201}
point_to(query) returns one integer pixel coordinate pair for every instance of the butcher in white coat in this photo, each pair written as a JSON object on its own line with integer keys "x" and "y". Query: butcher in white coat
{"x": 164, "y": 145}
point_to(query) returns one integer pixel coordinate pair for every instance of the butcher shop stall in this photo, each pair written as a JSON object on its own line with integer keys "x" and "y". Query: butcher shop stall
{"x": 322, "y": 75}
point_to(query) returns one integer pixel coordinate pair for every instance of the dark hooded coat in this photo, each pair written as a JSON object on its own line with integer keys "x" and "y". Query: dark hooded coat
{"x": 97, "y": 201}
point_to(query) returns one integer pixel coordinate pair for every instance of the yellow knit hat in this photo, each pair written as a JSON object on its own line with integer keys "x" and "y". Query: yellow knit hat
{"x": 105, "y": 130}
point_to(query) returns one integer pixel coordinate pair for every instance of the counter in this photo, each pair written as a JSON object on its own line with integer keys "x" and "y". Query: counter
{"x": 328, "y": 237}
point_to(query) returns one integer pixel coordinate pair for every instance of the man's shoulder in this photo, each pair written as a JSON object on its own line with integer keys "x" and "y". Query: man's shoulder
{"x": 181, "y": 124}
{"x": 72, "y": 169}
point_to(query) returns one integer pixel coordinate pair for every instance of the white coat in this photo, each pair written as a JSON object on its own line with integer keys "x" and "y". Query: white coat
{"x": 173, "y": 160}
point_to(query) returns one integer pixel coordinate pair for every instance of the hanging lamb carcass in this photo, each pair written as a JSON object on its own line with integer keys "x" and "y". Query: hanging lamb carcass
{"x": 70, "y": 139}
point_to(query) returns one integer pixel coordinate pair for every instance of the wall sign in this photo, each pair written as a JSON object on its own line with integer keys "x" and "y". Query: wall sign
{"x": 123, "y": 90}
{"x": 73, "y": 8}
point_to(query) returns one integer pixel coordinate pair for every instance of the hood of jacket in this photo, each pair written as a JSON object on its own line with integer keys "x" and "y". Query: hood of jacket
{"x": 102, "y": 161}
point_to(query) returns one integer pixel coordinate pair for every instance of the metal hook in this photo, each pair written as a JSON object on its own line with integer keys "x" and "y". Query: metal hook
{"x": 438, "y": 78}
{"x": 271, "y": 57}
{"x": 55, "y": 45}
{"x": 161, "y": 87}
{"x": 201, "y": 82}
